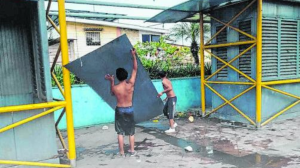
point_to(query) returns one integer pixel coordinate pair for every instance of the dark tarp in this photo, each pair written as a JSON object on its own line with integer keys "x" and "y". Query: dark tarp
{"x": 92, "y": 68}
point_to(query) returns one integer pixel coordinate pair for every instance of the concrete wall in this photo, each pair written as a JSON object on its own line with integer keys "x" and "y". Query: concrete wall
{"x": 90, "y": 109}
{"x": 76, "y": 31}
{"x": 273, "y": 102}
{"x": 133, "y": 35}
{"x": 53, "y": 50}
{"x": 77, "y": 43}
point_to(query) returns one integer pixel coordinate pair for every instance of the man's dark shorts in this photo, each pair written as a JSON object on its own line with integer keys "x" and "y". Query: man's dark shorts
{"x": 124, "y": 121}
{"x": 170, "y": 107}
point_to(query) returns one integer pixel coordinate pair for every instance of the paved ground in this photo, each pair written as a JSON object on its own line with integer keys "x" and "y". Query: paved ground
{"x": 215, "y": 145}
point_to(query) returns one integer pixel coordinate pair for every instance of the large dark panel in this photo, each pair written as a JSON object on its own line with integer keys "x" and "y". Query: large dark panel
{"x": 94, "y": 66}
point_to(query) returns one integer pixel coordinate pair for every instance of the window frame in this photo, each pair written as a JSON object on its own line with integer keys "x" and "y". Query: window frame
{"x": 94, "y": 43}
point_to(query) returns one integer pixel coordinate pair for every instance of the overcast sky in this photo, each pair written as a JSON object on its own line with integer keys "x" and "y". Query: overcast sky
{"x": 128, "y": 11}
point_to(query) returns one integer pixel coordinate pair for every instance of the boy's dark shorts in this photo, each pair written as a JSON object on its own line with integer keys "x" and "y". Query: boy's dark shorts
{"x": 170, "y": 107}
{"x": 124, "y": 121}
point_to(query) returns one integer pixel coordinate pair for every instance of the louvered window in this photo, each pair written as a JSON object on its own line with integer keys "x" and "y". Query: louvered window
{"x": 270, "y": 48}
{"x": 279, "y": 59}
{"x": 245, "y": 60}
{"x": 288, "y": 49}
{"x": 221, "y": 52}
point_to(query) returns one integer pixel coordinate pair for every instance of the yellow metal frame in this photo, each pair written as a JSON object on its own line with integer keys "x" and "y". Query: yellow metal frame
{"x": 265, "y": 85}
{"x": 51, "y": 107}
{"x": 205, "y": 48}
{"x": 258, "y": 84}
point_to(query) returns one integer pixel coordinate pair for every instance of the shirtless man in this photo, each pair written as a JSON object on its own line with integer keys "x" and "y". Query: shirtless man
{"x": 170, "y": 105}
{"x": 124, "y": 116}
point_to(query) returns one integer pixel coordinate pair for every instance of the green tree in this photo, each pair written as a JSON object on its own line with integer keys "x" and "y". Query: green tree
{"x": 189, "y": 31}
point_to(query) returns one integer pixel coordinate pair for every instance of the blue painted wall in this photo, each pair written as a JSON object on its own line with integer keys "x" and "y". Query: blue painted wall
{"x": 89, "y": 109}
{"x": 273, "y": 102}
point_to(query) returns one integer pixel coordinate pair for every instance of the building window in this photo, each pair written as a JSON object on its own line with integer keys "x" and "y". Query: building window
{"x": 145, "y": 38}
{"x": 93, "y": 39}
{"x": 155, "y": 38}
{"x": 245, "y": 59}
{"x": 221, "y": 52}
{"x": 150, "y": 38}
{"x": 280, "y": 49}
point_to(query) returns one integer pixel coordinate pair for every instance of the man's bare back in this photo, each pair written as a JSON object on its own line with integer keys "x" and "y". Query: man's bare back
{"x": 124, "y": 90}
{"x": 124, "y": 93}
{"x": 167, "y": 85}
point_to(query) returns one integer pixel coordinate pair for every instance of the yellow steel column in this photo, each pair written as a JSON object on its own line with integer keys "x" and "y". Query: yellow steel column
{"x": 67, "y": 84}
{"x": 258, "y": 62}
{"x": 202, "y": 64}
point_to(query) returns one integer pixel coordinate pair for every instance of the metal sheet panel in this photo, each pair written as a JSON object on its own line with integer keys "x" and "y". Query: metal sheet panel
{"x": 94, "y": 66}
{"x": 187, "y": 9}
{"x": 15, "y": 53}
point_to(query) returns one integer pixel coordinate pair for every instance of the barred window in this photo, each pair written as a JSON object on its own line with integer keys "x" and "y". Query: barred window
{"x": 93, "y": 39}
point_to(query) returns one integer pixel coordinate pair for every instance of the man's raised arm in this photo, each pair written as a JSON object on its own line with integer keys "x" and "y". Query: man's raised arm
{"x": 134, "y": 70}
{"x": 111, "y": 79}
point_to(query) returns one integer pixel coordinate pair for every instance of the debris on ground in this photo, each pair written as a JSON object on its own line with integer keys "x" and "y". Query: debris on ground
{"x": 189, "y": 149}
{"x": 191, "y": 118}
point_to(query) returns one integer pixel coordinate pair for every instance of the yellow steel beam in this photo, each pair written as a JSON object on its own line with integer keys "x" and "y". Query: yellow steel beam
{"x": 232, "y": 60}
{"x": 67, "y": 83}
{"x": 288, "y": 81}
{"x": 60, "y": 117}
{"x": 53, "y": 24}
{"x": 48, "y": 7}
{"x": 233, "y": 19}
{"x": 237, "y": 96}
{"x": 281, "y": 112}
{"x": 258, "y": 62}
{"x": 202, "y": 60}
{"x": 55, "y": 58}
{"x": 236, "y": 29}
{"x": 29, "y": 119}
{"x": 282, "y": 92}
{"x": 229, "y": 103}
{"x": 230, "y": 44}
{"x": 62, "y": 141}
{"x": 9, "y": 109}
{"x": 23, "y": 163}
{"x": 232, "y": 83}
{"x": 58, "y": 84}
{"x": 232, "y": 67}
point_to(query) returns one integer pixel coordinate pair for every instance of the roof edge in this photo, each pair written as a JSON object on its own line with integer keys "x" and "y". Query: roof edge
{"x": 114, "y": 24}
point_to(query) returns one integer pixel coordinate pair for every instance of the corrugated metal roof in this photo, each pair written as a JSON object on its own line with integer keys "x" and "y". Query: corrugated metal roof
{"x": 190, "y": 8}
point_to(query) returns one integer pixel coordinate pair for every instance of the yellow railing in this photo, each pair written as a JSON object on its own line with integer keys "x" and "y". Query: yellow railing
{"x": 66, "y": 104}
